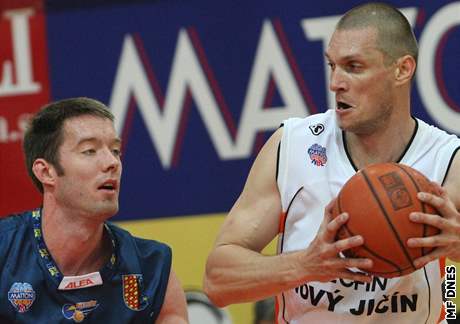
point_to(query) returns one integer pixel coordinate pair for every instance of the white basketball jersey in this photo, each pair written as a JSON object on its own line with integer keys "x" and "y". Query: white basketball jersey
{"x": 313, "y": 167}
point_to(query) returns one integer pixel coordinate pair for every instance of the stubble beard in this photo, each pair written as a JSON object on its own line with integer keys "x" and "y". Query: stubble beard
{"x": 371, "y": 124}
{"x": 106, "y": 208}
{"x": 96, "y": 210}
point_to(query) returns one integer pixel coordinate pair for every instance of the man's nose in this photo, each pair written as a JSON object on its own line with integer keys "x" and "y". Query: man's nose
{"x": 111, "y": 161}
{"x": 338, "y": 81}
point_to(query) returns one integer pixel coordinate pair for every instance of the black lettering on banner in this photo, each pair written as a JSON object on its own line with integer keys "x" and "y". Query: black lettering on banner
{"x": 370, "y": 308}
{"x": 345, "y": 284}
{"x": 394, "y": 302}
{"x": 387, "y": 303}
{"x": 303, "y": 291}
{"x": 377, "y": 283}
{"x": 357, "y": 283}
{"x": 360, "y": 310}
{"x": 315, "y": 299}
{"x": 307, "y": 292}
{"x": 382, "y": 307}
{"x": 382, "y": 283}
{"x": 333, "y": 301}
{"x": 405, "y": 302}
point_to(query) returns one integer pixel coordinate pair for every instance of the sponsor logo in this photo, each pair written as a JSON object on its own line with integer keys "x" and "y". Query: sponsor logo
{"x": 21, "y": 295}
{"x": 132, "y": 285}
{"x": 78, "y": 282}
{"x": 78, "y": 312}
{"x": 316, "y": 129}
{"x": 317, "y": 155}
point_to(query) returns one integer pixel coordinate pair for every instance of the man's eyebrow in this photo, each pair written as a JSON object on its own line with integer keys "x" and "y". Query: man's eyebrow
{"x": 94, "y": 139}
{"x": 350, "y": 57}
{"x": 87, "y": 139}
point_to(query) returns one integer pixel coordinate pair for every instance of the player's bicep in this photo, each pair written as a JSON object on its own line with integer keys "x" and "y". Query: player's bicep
{"x": 253, "y": 220}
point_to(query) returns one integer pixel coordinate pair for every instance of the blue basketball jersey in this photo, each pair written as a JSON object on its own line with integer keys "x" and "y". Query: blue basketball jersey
{"x": 130, "y": 288}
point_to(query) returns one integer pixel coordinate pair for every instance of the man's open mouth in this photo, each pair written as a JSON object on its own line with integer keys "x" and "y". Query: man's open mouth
{"x": 109, "y": 185}
{"x": 342, "y": 105}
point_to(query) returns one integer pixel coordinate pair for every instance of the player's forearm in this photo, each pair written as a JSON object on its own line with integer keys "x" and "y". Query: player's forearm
{"x": 235, "y": 275}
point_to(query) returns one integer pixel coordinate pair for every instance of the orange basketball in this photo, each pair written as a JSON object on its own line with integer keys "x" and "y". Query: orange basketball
{"x": 379, "y": 199}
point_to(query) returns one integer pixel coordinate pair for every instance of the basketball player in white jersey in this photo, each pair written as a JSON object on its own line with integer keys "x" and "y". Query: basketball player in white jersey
{"x": 300, "y": 170}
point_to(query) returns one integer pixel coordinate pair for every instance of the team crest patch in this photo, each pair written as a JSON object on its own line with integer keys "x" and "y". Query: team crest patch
{"x": 317, "y": 155}
{"x": 21, "y": 295}
{"x": 132, "y": 288}
{"x": 78, "y": 312}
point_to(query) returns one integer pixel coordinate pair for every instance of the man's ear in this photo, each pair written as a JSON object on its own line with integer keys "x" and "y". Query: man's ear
{"x": 45, "y": 172}
{"x": 405, "y": 69}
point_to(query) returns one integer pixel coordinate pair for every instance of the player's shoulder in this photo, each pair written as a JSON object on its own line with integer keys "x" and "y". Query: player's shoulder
{"x": 316, "y": 122}
{"x": 13, "y": 222}
{"x": 14, "y": 231}
{"x": 139, "y": 255}
{"x": 128, "y": 241}
{"x": 435, "y": 133}
{"x": 317, "y": 125}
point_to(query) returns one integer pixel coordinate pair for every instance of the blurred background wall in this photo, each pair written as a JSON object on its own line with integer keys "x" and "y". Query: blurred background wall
{"x": 197, "y": 87}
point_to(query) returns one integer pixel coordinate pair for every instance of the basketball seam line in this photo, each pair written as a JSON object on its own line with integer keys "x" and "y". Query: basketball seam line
{"x": 366, "y": 248}
{"x": 399, "y": 269}
{"x": 387, "y": 218}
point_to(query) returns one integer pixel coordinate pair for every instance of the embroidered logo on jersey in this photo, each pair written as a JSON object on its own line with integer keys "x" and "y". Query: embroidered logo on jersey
{"x": 317, "y": 155}
{"x": 79, "y": 282}
{"x": 316, "y": 129}
{"x": 132, "y": 288}
{"x": 79, "y": 311}
{"x": 21, "y": 295}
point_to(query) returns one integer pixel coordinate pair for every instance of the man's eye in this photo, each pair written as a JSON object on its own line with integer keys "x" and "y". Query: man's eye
{"x": 89, "y": 152}
{"x": 354, "y": 66}
{"x": 116, "y": 152}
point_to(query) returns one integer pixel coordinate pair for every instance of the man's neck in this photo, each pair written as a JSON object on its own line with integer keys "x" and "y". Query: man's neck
{"x": 385, "y": 145}
{"x": 76, "y": 245}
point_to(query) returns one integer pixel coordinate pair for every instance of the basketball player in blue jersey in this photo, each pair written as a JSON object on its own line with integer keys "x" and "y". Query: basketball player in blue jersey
{"x": 62, "y": 262}
{"x": 299, "y": 171}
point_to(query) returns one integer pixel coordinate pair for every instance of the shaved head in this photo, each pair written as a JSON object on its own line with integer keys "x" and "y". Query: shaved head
{"x": 395, "y": 37}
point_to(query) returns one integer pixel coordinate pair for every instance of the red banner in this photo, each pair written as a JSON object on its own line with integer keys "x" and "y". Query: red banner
{"x": 24, "y": 88}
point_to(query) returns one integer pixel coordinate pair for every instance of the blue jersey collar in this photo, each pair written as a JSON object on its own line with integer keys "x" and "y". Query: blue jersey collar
{"x": 47, "y": 260}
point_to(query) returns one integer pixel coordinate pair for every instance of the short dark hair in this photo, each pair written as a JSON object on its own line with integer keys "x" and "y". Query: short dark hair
{"x": 395, "y": 37}
{"x": 44, "y": 133}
